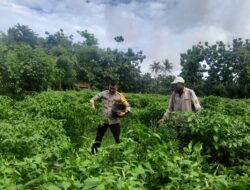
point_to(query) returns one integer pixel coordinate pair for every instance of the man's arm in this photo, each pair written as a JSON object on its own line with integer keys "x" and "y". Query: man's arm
{"x": 195, "y": 102}
{"x": 125, "y": 102}
{"x": 169, "y": 109}
{"x": 96, "y": 98}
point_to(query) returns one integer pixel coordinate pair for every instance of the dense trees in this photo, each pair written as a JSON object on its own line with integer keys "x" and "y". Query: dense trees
{"x": 218, "y": 69}
{"x": 162, "y": 81}
{"x": 32, "y": 63}
{"x": 25, "y": 69}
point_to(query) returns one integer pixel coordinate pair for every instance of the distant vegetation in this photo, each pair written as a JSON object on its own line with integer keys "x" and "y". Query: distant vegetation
{"x": 31, "y": 63}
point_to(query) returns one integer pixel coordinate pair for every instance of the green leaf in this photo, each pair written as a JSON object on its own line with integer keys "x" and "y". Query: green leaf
{"x": 53, "y": 187}
{"x": 216, "y": 138}
{"x": 197, "y": 147}
{"x": 100, "y": 187}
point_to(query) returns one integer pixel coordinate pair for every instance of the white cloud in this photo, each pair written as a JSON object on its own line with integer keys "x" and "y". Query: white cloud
{"x": 161, "y": 28}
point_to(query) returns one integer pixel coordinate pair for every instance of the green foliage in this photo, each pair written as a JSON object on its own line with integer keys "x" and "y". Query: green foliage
{"x": 67, "y": 73}
{"x": 29, "y": 63}
{"x": 75, "y": 113}
{"x": 25, "y": 69}
{"x": 57, "y": 62}
{"x": 30, "y": 137}
{"x": 5, "y": 107}
{"x": 224, "y": 138}
{"x": 20, "y": 34}
{"x": 90, "y": 39}
{"x": 45, "y": 143}
{"x": 218, "y": 69}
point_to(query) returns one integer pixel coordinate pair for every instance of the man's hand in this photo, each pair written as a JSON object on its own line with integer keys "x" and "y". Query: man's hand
{"x": 92, "y": 105}
{"x": 121, "y": 113}
{"x": 161, "y": 121}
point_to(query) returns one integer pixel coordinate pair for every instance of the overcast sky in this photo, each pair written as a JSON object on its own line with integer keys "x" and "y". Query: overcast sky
{"x": 161, "y": 28}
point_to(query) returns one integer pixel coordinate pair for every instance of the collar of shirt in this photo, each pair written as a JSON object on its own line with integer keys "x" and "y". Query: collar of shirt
{"x": 112, "y": 94}
{"x": 183, "y": 94}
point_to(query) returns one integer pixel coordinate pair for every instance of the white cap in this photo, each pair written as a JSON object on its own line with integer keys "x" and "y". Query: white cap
{"x": 178, "y": 80}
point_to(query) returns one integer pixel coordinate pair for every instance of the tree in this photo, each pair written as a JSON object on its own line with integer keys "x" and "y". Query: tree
{"x": 32, "y": 63}
{"x": 59, "y": 39}
{"x": 167, "y": 66}
{"x": 156, "y": 68}
{"x": 165, "y": 86}
{"x": 3, "y": 38}
{"x": 90, "y": 39}
{"x": 119, "y": 39}
{"x": 241, "y": 51}
{"x": 66, "y": 72}
{"x": 147, "y": 83}
{"x": 25, "y": 69}
{"x": 21, "y": 34}
{"x": 192, "y": 70}
{"x": 218, "y": 69}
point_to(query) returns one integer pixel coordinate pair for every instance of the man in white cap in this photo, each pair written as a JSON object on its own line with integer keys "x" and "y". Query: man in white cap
{"x": 182, "y": 99}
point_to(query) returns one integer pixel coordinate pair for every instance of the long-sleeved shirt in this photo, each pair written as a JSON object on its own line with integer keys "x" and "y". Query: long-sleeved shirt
{"x": 186, "y": 102}
{"x": 108, "y": 101}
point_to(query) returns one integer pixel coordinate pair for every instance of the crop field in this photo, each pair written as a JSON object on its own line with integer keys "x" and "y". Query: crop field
{"x": 45, "y": 142}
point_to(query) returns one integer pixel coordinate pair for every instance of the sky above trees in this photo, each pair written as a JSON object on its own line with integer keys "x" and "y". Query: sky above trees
{"x": 161, "y": 28}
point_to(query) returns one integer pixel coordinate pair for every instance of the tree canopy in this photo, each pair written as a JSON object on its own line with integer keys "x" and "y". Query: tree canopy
{"x": 30, "y": 63}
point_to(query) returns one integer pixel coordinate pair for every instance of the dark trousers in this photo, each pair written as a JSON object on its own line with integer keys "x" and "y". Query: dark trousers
{"x": 114, "y": 128}
{"x": 181, "y": 136}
